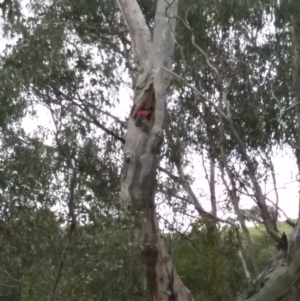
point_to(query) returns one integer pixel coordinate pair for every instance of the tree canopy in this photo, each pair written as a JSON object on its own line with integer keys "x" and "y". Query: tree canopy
{"x": 70, "y": 69}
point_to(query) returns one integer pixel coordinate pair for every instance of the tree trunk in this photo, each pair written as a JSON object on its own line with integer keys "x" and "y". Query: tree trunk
{"x": 143, "y": 143}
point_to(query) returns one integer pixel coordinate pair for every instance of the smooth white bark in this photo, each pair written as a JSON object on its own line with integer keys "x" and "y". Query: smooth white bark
{"x": 142, "y": 147}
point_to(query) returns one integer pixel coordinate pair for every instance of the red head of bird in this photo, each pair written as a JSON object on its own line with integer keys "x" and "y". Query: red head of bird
{"x": 141, "y": 113}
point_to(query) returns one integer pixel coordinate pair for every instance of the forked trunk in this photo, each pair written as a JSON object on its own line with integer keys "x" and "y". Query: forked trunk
{"x": 143, "y": 144}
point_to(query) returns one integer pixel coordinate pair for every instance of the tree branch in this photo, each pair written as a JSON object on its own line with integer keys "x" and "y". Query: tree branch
{"x": 256, "y": 187}
{"x": 138, "y": 29}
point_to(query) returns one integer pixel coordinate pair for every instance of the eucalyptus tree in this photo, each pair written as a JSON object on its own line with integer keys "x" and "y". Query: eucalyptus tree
{"x": 276, "y": 281}
{"x": 68, "y": 56}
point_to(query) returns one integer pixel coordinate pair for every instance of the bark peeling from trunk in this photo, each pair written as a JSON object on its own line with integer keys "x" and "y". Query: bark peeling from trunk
{"x": 142, "y": 148}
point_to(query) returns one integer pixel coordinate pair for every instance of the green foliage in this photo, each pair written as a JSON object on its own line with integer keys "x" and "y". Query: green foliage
{"x": 69, "y": 56}
{"x": 208, "y": 264}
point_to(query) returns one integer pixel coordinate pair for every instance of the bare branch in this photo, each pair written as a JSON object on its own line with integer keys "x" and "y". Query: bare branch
{"x": 176, "y": 150}
{"x": 244, "y": 264}
{"x": 272, "y": 169}
{"x": 232, "y": 193}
